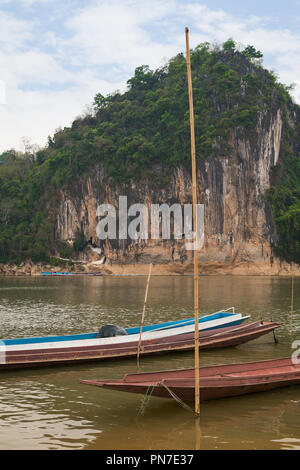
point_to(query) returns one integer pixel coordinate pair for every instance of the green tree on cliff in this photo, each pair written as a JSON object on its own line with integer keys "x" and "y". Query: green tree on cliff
{"x": 144, "y": 132}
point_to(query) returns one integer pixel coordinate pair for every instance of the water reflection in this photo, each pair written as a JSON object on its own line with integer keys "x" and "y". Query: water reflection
{"x": 251, "y": 422}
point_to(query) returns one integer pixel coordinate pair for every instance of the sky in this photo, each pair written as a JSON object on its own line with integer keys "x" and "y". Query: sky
{"x": 55, "y": 55}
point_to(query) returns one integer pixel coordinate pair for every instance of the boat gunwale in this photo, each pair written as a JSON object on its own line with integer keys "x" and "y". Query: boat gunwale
{"x": 217, "y": 382}
{"x": 130, "y": 377}
{"x": 147, "y": 335}
{"x": 226, "y": 339}
{"x": 207, "y": 337}
{"x": 131, "y": 330}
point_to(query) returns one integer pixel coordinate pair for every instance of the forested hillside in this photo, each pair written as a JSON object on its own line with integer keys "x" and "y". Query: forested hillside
{"x": 144, "y": 133}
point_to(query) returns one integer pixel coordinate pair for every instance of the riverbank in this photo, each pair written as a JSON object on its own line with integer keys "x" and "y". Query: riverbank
{"x": 168, "y": 269}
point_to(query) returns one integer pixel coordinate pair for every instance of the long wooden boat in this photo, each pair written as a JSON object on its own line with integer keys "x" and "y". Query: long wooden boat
{"x": 25, "y": 355}
{"x": 215, "y": 382}
{"x": 211, "y": 321}
{"x": 206, "y": 322}
{"x": 69, "y": 274}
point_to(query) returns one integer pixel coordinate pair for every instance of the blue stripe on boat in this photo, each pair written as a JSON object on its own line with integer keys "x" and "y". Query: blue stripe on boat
{"x": 178, "y": 323}
{"x": 130, "y": 331}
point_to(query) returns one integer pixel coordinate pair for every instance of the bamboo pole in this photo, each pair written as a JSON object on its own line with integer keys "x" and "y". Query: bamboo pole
{"x": 292, "y": 300}
{"x": 197, "y": 434}
{"x": 143, "y": 314}
{"x": 196, "y": 294}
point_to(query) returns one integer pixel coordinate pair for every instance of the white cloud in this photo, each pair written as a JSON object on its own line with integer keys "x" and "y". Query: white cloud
{"x": 51, "y": 74}
{"x": 26, "y": 3}
{"x": 13, "y": 31}
{"x": 109, "y": 32}
{"x": 37, "y": 114}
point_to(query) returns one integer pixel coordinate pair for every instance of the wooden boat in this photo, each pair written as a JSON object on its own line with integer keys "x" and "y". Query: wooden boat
{"x": 69, "y": 274}
{"x": 212, "y": 321}
{"x": 30, "y": 352}
{"x": 215, "y": 382}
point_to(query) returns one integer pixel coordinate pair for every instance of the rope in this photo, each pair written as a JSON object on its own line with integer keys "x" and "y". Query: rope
{"x": 147, "y": 396}
{"x": 145, "y": 400}
{"x": 176, "y": 398}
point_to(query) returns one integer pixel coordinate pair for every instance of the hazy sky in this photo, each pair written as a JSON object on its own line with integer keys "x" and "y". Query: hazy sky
{"x": 55, "y": 55}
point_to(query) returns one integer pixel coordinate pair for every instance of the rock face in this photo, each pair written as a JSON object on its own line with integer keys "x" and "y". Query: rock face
{"x": 232, "y": 187}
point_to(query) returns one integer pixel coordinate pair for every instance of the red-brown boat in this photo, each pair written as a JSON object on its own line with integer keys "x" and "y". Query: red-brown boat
{"x": 215, "y": 382}
{"x": 208, "y": 339}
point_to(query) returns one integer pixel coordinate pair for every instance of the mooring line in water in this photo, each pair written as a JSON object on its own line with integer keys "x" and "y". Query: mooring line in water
{"x": 145, "y": 400}
{"x": 176, "y": 398}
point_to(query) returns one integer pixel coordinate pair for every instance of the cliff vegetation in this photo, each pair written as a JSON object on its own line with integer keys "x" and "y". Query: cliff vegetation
{"x": 144, "y": 133}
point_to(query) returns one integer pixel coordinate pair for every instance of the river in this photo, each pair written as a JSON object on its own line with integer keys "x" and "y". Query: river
{"x": 49, "y": 409}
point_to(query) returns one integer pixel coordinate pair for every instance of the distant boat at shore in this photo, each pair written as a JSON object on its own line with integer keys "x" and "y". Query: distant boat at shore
{"x": 70, "y": 274}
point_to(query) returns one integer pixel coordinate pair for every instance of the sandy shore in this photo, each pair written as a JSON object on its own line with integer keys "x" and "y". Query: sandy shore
{"x": 170, "y": 269}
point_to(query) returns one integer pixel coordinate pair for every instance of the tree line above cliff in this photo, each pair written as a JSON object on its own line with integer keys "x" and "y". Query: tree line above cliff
{"x": 144, "y": 133}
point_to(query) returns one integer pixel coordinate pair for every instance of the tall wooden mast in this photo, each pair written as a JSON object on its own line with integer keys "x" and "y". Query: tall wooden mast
{"x": 143, "y": 315}
{"x": 194, "y": 179}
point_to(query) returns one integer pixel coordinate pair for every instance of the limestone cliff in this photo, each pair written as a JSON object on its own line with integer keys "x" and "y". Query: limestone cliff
{"x": 238, "y": 224}
{"x": 137, "y": 144}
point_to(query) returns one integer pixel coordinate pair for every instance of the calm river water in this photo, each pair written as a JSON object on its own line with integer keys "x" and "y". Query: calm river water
{"x": 49, "y": 409}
